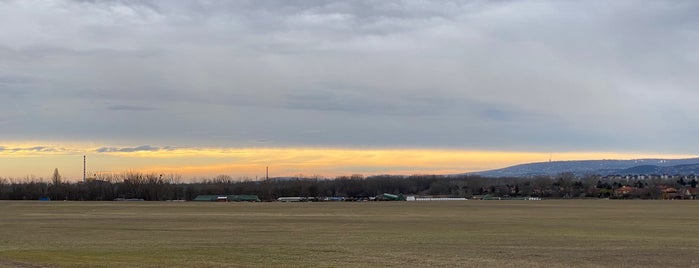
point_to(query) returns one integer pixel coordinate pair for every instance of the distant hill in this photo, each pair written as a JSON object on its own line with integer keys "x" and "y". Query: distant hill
{"x": 600, "y": 167}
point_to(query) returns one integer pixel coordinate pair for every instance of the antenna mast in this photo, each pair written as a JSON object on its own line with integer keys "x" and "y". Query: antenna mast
{"x": 84, "y": 168}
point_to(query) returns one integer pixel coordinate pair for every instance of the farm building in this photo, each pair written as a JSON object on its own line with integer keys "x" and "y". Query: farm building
{"x": 227, "y": 198}
{"x": 427, "y": 198}
{"x": 390, "y": 197}
{"x": 292, "y": 199}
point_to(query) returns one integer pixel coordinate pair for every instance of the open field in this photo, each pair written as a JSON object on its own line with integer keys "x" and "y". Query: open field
{"x": 583, "y": 233}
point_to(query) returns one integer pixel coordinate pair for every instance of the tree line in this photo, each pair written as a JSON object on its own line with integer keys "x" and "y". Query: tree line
{"x": 158, "y": 187}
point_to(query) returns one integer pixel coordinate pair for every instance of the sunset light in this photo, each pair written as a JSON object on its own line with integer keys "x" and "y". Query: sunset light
{"x": 251, "y": 163}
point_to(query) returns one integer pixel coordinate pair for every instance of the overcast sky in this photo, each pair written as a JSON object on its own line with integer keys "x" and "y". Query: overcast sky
{"x": 471, "y": 75}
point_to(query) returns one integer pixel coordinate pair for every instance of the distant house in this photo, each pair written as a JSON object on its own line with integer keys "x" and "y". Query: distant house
{"x": 667, "y": 193}
{"x": 227, "y": 198}
{"x": 690, "y": 193}
{"x": 624, "y": 191}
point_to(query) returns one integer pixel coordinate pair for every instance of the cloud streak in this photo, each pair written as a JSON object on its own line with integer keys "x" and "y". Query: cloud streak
{"x": 32, "y": 150}
{"x": 142, "y": 148}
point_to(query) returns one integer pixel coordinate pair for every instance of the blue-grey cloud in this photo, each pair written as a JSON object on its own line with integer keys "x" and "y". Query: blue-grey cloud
{"x": 122, "y": 107}
{"x": 331, "y": 101}
{"x": 10, "y": 79}
{"x": 38, "y": 149}
{"x": 142, "y": 148}
{"x": 529, "y": 75}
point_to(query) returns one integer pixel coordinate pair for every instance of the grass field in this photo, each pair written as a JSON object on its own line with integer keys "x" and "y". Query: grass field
{"x": 552, "y": 233}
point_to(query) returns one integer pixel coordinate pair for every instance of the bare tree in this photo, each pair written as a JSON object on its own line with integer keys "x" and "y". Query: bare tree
{"x": 56, "y": 177}
{"x": 3, "y": 182}
{"x": 56, "y": 189}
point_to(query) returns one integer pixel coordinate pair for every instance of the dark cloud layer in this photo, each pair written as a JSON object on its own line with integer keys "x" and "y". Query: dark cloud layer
{"x": 504, "y": 75}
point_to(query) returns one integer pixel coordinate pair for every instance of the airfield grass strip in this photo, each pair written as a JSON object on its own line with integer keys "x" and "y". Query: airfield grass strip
{"x": 552, "y": 233}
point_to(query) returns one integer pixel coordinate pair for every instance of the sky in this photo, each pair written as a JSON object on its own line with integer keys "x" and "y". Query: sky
{"x": 342, "y": 87}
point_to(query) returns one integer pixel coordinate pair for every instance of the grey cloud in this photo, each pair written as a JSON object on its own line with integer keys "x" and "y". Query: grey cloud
{"x": 142, "y": 148}
{"x": 510, "y": 74}
{"x": 123, "y": 107}
{"x": 13, "y": 79}
{"x": 360, "y": 104}
{"x": 332, "y": 101}
{"x": 32, "y": 149}
{"x": 38, "y": 149}
{"x": 498, "y": 114}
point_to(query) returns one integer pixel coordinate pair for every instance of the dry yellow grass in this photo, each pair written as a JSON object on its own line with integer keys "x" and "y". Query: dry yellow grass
{"x": 552, "y": 233}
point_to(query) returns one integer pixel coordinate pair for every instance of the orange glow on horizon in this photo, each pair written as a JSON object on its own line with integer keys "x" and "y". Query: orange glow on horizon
{"x": 27, "y": 159}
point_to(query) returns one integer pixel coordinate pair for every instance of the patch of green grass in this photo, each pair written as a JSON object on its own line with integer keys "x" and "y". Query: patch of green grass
{"x": 553, "y": 233}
